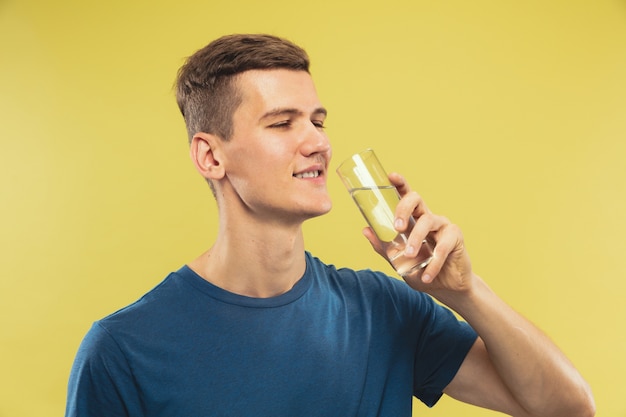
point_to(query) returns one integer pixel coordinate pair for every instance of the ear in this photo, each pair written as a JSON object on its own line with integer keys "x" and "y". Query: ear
{"x": 205, "y": 154}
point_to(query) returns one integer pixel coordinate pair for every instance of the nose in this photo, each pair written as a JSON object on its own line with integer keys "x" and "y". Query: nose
{"x": 315, "y": 141}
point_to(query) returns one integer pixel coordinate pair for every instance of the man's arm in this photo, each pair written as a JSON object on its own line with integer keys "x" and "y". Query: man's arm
{"x": 513, "y": 367}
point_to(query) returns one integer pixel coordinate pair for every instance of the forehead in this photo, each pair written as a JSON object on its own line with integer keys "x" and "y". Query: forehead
{"x": 264, "y": 90}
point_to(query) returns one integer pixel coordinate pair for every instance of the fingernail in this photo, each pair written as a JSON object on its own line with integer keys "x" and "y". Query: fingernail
{"x": 409, "y": 250}
{"x": 426, "y": 278}
{"x": 398, "y": 223}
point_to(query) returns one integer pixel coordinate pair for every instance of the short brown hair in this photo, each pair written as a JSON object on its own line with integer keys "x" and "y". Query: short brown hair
{"x": 205, "y": 92}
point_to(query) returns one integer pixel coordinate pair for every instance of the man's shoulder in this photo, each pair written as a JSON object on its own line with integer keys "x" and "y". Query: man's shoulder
{"x": 152, "y": 305}
{"x": 367, "y": 281}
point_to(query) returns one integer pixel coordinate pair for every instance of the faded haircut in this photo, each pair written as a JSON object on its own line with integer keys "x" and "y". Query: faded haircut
{"x": 205, "y": 89}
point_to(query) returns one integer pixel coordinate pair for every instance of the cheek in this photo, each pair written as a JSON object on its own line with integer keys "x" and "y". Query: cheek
{"x": 259, "y": 159}
{"x": 253, "y": 174}
{"x": 242, "y": 160}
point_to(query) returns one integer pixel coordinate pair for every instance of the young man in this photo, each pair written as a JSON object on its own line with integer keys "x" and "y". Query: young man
{"x": 257, "y": 326}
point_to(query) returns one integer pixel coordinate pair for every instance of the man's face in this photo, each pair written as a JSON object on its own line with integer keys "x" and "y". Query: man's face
{"x": 277, "y": 158}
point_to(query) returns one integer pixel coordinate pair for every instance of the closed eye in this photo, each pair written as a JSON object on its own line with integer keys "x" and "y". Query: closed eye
{"x": 291, "y": 114}
{"x": 318, "y": 123}
{"x": 281, "y": 125}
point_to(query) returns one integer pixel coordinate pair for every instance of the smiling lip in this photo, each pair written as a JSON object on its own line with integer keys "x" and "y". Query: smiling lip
{"x": 309, "y": 174}
{"x": 312, "y": 172}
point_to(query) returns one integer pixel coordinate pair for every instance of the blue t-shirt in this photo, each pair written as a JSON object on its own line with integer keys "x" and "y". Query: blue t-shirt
{"x": 339, "y": 343}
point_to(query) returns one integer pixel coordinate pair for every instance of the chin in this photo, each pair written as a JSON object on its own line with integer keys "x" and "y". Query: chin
{"x": 325, "y": 207}
{"x": 320, "y": 210}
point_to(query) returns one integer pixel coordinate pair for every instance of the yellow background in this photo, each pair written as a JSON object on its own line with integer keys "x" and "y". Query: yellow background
{"x": 508, "y": 117}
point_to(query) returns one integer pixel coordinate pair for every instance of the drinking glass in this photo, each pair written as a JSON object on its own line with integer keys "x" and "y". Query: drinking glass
{"x": 377, "y": 199}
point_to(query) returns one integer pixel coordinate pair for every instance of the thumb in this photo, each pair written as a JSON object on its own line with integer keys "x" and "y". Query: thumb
{"x": 374, "y": 241}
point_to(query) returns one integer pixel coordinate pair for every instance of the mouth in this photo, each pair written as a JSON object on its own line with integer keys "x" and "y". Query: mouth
{"x": 308, "y": 174}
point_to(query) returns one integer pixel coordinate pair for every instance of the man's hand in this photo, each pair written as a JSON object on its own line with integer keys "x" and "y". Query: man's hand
{"x": 513, "y": 367}
{"x": 450, "y": 268}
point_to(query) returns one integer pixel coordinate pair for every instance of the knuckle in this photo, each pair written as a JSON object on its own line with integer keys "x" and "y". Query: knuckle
{"x": 414, "y": 196}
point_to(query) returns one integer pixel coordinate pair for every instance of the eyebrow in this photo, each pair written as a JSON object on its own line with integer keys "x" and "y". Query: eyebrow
{"x": 291, "y": 112}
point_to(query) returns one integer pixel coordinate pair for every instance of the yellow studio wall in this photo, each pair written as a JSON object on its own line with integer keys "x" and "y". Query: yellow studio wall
{"x": 508, "y": 117}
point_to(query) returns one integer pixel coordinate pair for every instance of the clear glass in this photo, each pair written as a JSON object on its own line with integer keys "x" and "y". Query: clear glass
{"x": 377, "y": 199}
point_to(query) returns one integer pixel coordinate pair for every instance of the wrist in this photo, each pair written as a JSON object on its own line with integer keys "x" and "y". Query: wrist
{"x": 475, "y": 299}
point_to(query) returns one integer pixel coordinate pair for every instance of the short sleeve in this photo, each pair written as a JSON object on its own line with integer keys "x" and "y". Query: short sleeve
{"x": 101, "y": 382}
{"x": 442, "y": 347}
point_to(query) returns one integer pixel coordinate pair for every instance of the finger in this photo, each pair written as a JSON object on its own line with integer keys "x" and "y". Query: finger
{"x": 426, "y": 225}
{"x": 399, "y": 182}
{"x": 410, "y": 205}
{"x": 447, "y": 240}
{"x": 374, "y": 241}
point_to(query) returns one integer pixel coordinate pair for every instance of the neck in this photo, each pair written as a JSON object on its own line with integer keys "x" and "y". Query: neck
{"x": 259, "y": 260}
